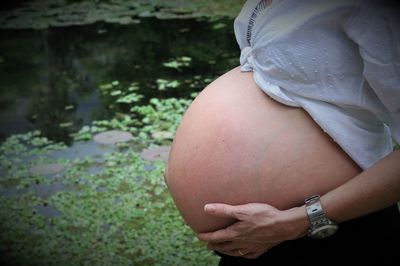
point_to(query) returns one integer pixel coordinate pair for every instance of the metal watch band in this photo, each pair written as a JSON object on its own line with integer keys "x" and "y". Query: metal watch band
{"x": 321, "y": 226}
{"x": 314, "y": 210}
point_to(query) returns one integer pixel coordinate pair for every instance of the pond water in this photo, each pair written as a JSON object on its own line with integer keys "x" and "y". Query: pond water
{"x": 50, "y": 78}
{"x": 79, "y": 203}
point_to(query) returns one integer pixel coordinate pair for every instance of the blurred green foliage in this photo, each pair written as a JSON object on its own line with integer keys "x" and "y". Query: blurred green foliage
{"x": 120, "y": 215}
{"x": 113, "y": 208}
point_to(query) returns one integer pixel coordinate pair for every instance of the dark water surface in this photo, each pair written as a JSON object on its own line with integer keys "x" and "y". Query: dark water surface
{"x": 52, "y": 77}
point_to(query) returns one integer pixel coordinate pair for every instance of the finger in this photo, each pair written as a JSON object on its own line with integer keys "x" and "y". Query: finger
{"x": 232, "y": 253}
{"x": 224, "y": 210}
{"x": 223, "y": 235}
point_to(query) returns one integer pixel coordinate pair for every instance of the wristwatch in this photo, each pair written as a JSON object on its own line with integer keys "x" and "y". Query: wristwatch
{"x": 321, "y": 226}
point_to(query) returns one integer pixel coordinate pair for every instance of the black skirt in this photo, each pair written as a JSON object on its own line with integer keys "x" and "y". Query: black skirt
{"x": 373, "y": 239}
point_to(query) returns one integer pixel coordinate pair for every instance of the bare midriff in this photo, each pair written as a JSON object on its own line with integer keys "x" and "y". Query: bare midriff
{"x": 236, "y": 145}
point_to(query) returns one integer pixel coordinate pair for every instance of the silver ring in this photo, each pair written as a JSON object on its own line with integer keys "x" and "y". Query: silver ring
{"x": 241, "y": 254}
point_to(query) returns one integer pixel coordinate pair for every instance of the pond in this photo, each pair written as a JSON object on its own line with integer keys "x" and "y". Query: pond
{"x": 50, "y": 79}
{"x": 66, "y": 199}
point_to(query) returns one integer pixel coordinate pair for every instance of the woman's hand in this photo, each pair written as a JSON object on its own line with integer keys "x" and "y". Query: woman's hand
{"x": 259, "y": 227}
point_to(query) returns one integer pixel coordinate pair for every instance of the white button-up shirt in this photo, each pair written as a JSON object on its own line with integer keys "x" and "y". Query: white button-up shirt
{"x": 339, "y": 60}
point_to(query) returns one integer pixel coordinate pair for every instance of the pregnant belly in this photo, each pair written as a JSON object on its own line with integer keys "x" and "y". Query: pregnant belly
{"x": 236, "y": 145}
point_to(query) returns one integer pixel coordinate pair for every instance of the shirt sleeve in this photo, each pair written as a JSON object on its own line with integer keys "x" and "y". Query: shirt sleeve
{"x": 374, "y": 27}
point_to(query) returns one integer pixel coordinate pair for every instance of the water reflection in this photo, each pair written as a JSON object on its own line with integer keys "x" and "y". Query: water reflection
{"x": 49, "y": 79}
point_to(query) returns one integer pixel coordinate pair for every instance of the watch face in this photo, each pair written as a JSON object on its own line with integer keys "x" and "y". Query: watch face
{"x": 324, "y": 231}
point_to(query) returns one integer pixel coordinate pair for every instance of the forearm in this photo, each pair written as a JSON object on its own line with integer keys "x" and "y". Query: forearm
{"x": 373, "y": 189}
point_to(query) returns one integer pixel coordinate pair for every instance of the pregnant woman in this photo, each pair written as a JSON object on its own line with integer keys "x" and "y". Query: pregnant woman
{"x": 289, "y": 158}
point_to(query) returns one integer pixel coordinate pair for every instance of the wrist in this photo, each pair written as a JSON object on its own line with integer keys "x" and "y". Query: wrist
{"x": 321, "y": 226}
{"x": 299, "y": 222}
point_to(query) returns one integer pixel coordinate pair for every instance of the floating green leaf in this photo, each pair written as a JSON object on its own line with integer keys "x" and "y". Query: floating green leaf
{"x": 66, "y": 124}
{"x": 130, "y": 98}
{"x": 106, "y": 86}
{"x": 178, "y": 63}
{"x": 163, "y": 84}
{"x": 219, "y": 26}
{"x": 116, "y": 93}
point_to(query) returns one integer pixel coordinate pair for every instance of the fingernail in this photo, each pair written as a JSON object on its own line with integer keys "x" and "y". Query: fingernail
{"x": 208, "y": 207}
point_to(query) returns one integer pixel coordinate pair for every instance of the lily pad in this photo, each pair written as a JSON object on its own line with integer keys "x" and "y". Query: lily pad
{"x": 112, "y": 137}
{"x": 60, "y": 12}
{"x": 46, "y": 169}
{"x": 156, "y": 154}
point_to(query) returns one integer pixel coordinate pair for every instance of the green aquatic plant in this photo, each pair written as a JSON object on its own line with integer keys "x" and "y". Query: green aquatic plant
{"x": 69, "y": 107}
{"x": 27, "y": 144}
{"x": 104, "y": 88}
{"x": 130, "y": 98}
{"x": 120, "y": 215}
{"x": 218, "y": 26}
{"x": 66, "y": 124}
{"x": 163, "y": 84}
{"x": 143, "y": 121}
{"x": 178, "y": 63}
{"x": 42, "y": 14}
{"x": 57, "y": 211}
{"x": 115, "y": 92}
{"x": 160, "y": 115}
{"x": 111, "y": 208}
